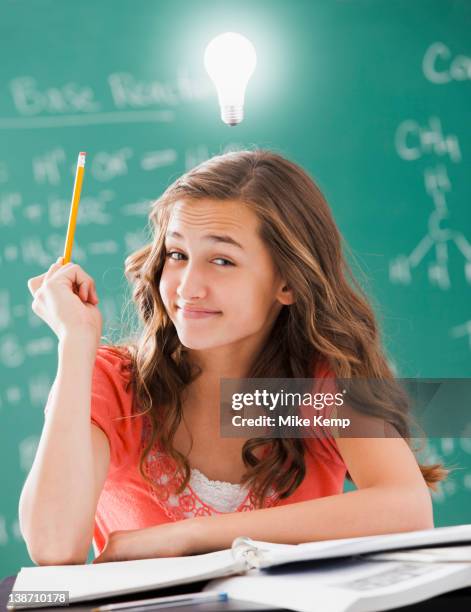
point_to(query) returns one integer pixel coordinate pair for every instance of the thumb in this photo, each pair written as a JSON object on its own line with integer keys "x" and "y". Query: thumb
{"x": 36, "y": 281}
{"x": 55, "y": 266}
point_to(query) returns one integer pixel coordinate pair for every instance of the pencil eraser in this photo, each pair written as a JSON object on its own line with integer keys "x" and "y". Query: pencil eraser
{"x": 81, "y": 159}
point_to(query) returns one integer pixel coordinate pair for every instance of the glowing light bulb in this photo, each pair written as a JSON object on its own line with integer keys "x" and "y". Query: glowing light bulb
{"x": 230, "y": 61}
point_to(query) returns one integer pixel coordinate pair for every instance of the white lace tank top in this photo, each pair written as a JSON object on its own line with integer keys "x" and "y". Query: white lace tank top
{"x": 223, "y": 496}
{"x": 201, "y": 496}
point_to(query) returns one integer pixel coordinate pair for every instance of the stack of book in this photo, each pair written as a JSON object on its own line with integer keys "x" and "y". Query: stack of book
{"x": 353, "y": 574}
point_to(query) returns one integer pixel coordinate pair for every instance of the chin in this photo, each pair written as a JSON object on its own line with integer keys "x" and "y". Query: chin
{"x": 195, "y": 343}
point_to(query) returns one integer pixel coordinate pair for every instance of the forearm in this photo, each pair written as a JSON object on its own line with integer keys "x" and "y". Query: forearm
{"x": 371, "y": 511}
{"x": 57, "y": 502}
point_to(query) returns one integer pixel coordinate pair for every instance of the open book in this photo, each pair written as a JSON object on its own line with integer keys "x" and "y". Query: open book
{"x": 353, "y": 584}
{"x": 245, "y": 558}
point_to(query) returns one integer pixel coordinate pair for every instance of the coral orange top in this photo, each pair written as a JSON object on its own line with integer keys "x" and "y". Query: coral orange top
{"x": 127, "y": 501}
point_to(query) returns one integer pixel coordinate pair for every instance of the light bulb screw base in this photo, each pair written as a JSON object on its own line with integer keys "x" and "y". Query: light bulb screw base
{"x": 232, "y": 115}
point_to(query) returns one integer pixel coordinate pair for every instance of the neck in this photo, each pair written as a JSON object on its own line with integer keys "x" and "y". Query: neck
{"x": 215, "y": 364}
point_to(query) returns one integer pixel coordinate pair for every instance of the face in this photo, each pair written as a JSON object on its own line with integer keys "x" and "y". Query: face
{"x": 219, "y": 284}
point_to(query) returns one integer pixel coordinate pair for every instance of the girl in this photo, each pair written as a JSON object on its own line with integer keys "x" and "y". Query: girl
{"x": 244, "y": 278}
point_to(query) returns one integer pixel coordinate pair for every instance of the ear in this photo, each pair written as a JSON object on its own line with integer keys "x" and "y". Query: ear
{"x": 285, "y": 295}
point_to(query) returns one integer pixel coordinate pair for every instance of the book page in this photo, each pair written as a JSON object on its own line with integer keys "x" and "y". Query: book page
{"x": 448, "y": 554}
{"x": 349, "y": 585}
{"x": 103, "y": 579}
{"x": 266, "y": 554}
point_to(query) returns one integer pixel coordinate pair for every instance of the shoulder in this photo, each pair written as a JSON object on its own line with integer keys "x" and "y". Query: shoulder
{"x": 322, "y": 442}
{"x": 322, "y": 368}
{"x": 112, "y": 401}
{"x": 114, "y": 354}
{"x": 115, "y": 363}
{"x": 112, "y": 389}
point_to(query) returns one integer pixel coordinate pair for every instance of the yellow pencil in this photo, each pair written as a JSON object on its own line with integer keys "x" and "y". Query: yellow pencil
{"x": 69, "y": 240}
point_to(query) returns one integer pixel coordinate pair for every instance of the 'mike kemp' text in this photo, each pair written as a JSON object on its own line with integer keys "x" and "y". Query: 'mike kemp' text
{"x": 290, "y": 421}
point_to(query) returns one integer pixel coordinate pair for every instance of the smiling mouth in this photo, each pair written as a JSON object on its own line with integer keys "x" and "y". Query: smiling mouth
{"x": 197, "y": 314}
{"x": 207, "y": 310}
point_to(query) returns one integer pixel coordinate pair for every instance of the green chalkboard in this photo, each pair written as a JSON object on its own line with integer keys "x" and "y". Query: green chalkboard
{"x": 372, "y": 98}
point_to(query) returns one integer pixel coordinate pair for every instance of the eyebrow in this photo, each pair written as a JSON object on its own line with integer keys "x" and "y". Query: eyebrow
{"x": 211, "y": 237}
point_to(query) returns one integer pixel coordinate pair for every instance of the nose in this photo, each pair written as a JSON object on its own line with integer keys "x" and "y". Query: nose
{"x": 192, "y": 285}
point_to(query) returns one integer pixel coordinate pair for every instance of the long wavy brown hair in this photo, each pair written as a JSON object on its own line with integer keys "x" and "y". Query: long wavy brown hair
{"x": 330, "y": 319}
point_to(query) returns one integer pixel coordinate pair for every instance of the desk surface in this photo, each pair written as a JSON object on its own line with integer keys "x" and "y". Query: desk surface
{"x": 459, "y": 601}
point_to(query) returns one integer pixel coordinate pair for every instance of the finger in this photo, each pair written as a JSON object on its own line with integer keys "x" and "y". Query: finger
{"x": 80, "y": 279}
{"x": 35, "y": 282}
{"x": 55, "y": 266}
{"x": 87, "y": 292}
{"x": 92, "y": 296}
{"x": 82, "y": 283}
{"x": 83, "y": 291}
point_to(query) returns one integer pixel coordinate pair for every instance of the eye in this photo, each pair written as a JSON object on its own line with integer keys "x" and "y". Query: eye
{"x": 169, "y": 255}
